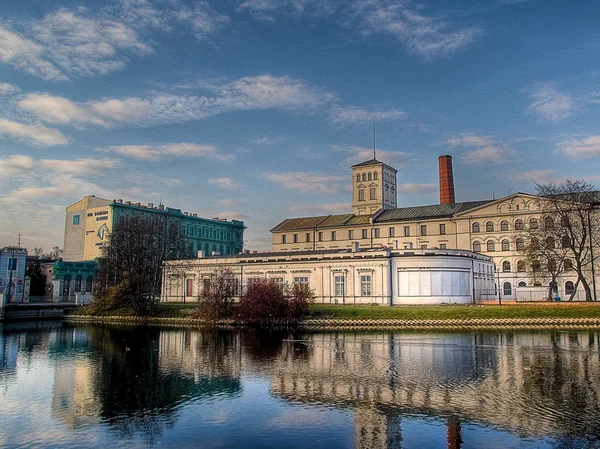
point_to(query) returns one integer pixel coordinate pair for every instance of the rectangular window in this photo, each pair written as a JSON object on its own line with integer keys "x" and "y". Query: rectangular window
{"x": 442, "y": 229}
{"x": 251, "y": 281}
{"x": 423, "y": 229}
{"x": 364, "y": 234}
{"x": 361, "y": 195}
{"x": 301, "y": 280}
{"x": 350, "y": 234}
{"x": 189, "y": 287}
{"x": 423, "y": 246}
{"x": 365, "y": 285}
{"x": 406, "y": 231}
{"x": 320, "y": 236}
{"x": 372, "y": 194}
{"x": 295, "y": 238}
{"x": 333, "y": 235}
{"x": 442, "y": 246}
{"x": 377, "y": 233}
{"x": 13, "y": 263}
{"x": 339, "y": 285}
{"x": 278, "y": 281}
{"x": 392, "y": 232}
{"x": 308, "y": 236}
{"x": 283, "y": 238}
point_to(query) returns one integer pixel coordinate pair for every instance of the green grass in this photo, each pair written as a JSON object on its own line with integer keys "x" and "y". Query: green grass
{"x": 446, "y": 312}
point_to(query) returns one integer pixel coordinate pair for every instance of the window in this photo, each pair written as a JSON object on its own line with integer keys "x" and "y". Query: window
{"x": 423, "y": 229}
{"x": 522, "y": 284}
{"x": 278, "y": 281}
{"x": 339, "y": 285}
{"x": 358, "y": 178}
{"x": 519, "y": 225}
{"x": 301, "y": 280}
{"x": 78, "y": 283}
{"x": 565, "y": 242}
{"x": 507, "y": 289}
{"x": 364, "y": 234}
{"x": 475, "y": 228}
{"x": 283, "y": 238}
{"x": 392, "y": 232}
{"x": 533, "y": 223}
{"x": 374, "y": 176}
{"x": 491, "y": 246}
{"x": 568, "y": 264}
{"x": 521, "y": 267}
{"x": 372, "y": 194}
{"x": 250, "y": 281}
{"x": 550, "y": 242}
{"x": 442, "y": 229}
{"x": 377, "y": 233}
{"x": 369, "y": 177}
{"x": 504, "y": 225}
{"x": 442, "y": 246}
{"x": 477, "y": 247}
{"x": 308, "y": 236}
{"x": 569, "y": 288}
{"x": 295, "y": 238}
{"x": 350, "y": 234}
{"x": 535, "y": 243}
{"x": 365, "y": 285}
{"x": 333, "y": 235}
{"x": 406, "y": 231}
{"x": 13, "y": 263}
{"x": 520, "y": 244}
{"x": 364, "y": 176}
{"x": 189, "y": 287}
{"x": 536, "y": 265}
{"x": 320, "y": 236}
{"x": 548, "y": 223}
{"x": 423, "y": 246}
{"x": 489, "y": 226}
{"x": 506, "y": 266}
{"x": 76, "y": 219}
{"x": 564, "y": 222}
{"x": 361, "y": 194}
{"x": 88, "y": 284}
{"x": 505, "y": 245}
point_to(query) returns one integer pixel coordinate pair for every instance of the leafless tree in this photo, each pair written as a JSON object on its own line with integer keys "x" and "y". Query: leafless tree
{"x": 215, "y": 301}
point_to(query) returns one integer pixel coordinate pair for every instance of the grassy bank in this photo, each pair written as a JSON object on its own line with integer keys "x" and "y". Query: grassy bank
{"x": 323, "y": 311}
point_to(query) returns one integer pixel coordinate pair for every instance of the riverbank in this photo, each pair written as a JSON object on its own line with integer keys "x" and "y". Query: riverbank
{"x": 346, "y": 317}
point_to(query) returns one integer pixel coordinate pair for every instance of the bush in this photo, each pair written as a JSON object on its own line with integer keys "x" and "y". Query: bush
{"x": 267, "y": 303}
{"x": 218, "y": 293}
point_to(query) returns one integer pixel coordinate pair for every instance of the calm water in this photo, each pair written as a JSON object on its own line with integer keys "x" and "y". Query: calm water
{"x": 99, "y": 386}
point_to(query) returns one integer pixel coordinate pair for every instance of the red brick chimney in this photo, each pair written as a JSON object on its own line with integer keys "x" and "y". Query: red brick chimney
{"x": 446, "y": 180}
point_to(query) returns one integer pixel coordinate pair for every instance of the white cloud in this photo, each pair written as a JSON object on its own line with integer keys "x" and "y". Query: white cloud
{"x": 581, "y": 148}
{"x": 15, "y": 165}
{"x": 8, "y": 89}
{"x": 224, "y": 183}
{"x": 307, "y": 181}
{"x": 154, "y": 153}
{"x": 35, "y": 134}
{"x": 412, "y": 188}
{"x": 350, "y": 115}
{"x": 202, "y": 18}
{"x": 78, "y": 166}
{"x": 551, "y": 105}
{"x": 539, "y": 176}
{"x": 360, "y": 154}
{"x": 484, "y": 149}
{"x": 52, "y": 109}
{"x": 268, "y": 140}
{"x": 320, "y": 208}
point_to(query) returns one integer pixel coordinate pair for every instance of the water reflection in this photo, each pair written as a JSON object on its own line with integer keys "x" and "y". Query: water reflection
{"x": 217, "y": 387}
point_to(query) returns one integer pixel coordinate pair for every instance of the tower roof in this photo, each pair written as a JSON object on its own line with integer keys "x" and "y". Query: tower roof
{"x": 373, "y": 162}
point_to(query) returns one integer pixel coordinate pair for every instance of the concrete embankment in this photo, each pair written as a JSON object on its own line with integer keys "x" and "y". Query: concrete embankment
{"x": 474, "y": 323}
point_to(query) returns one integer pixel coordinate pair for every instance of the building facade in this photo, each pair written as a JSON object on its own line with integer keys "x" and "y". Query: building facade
{"x": 90, "y": 221}
{"x": 12, "y": 274}
{"x": 490, "y": 227}
{"x": 372, "y": 276}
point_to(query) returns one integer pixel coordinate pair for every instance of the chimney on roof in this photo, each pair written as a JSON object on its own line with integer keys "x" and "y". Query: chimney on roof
{"x": 446, "y": 180}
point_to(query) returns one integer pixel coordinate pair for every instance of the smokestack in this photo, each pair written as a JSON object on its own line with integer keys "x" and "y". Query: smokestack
{"x": 446, "y": 180}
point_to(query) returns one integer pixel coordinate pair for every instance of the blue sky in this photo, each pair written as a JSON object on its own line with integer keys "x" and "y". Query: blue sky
{"x": 255, "y": 109}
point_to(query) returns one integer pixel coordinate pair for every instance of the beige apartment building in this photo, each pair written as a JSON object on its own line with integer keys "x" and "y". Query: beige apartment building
{"x": 489, "y": 227}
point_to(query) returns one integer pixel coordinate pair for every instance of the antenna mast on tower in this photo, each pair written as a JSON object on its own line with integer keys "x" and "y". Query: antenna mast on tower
{"x": 374, "y": 141}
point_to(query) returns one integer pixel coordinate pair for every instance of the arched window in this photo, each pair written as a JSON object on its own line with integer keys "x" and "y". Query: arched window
{"x": 568, "y": 264}
{"x": 370, "y": 176}
{"x": 569, "y": 288}
{"x": 520, "y": 244}
{"x": 504, "y": 225}
{"x": 358, "y": 178}
{"x": 533, "y": 223}
{"x": 491, "y": 246}
{"x": 78, "y": 283}
{"x": 550, "y": 242}
{"x": 522, "y": 284}
{"x": 535, "y": 243}
{"x": 551, "y": 265}
{"x": 477, "y": 247}
{"x": 375, "y": 176}
{"x": 537, "y": 284}
{"x": 521, "y": 267}
{"x": 536, "y": 265}
{"x": 505, "y": 245}
{"x": 475, "y": 228}
{"x": 548, "y": 223}
{"x": 506, "y": 266}
{"x": 489, "y": 226}
{"x": 507, "y": 289}
{"x": 565, "y": 241}
{"x": 364, "y": 176}
{"x": 518, "y": 225}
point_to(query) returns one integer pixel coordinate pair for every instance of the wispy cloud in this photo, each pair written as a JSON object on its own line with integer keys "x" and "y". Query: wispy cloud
{"x": 18, "y": 165}
{"x": 581, "y": 148}
{"x": 320, "y": 208}
{"x": 360, "y": 154}
{"x": 225, "y": 183}
{"x": 350, "y": 115}
{"x": 482, "y": 149}
{"x": 34, "y": 134}
{"x": 416, "y": 189}
{"x": 202, "y": 18}
{"x": 551, "y": 105}
{"x": 8, "y": 89}
{"x": 539, "y": 176}
{"x": 182, "y": 149}
{"x": 307, "y": 182}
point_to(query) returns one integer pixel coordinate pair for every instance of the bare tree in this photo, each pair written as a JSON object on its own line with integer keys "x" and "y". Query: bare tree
{"x": 218, "y": 293}
{"x": 573, "y": 207}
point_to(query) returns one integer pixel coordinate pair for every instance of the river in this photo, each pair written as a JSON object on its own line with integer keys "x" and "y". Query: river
{"x": 65, "y": 385}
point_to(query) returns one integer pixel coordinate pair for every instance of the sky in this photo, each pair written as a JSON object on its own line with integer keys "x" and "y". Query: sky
{"x": 256, "y": 109}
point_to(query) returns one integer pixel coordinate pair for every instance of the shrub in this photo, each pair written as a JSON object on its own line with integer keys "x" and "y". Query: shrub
{"x": 267, "y": 303}
{"x": 218, "y": 293}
